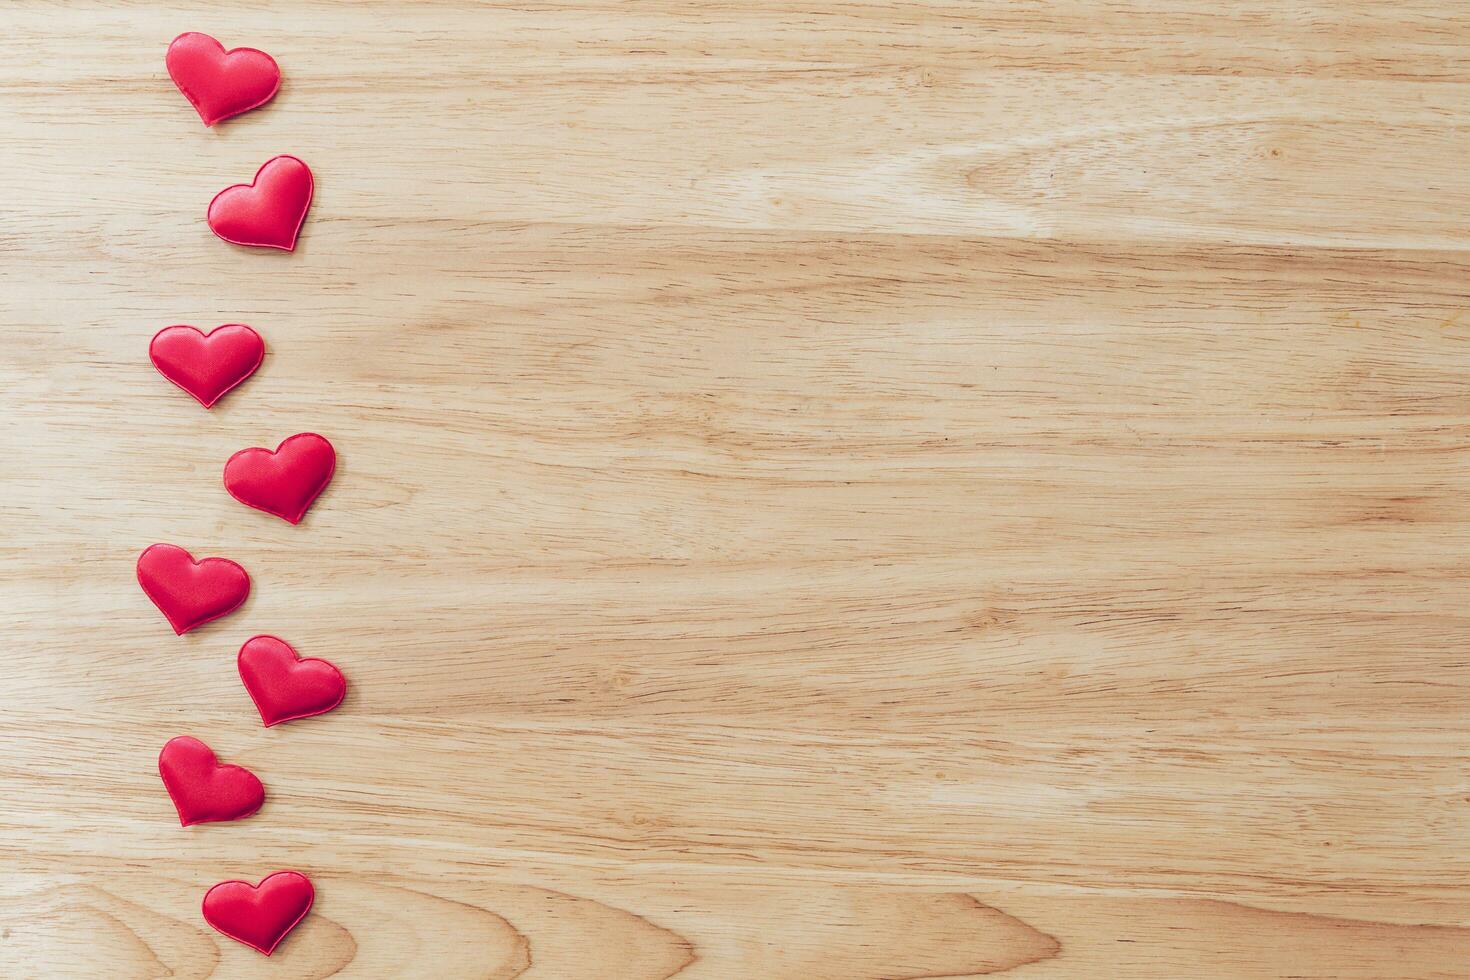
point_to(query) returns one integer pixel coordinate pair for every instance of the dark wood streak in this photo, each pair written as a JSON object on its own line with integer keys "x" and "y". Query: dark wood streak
{"x": 522, "y": 952}
{"x": 350, "y": 951}
{"x": 1047, "y": 946}
{"x": 678, "y": 941}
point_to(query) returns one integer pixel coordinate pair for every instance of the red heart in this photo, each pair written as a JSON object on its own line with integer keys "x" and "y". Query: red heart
{"x": 207, "y": 365}
{"x": 221, "y": 83}
{"x": 285, "y": 686}
{"x": 268, "y": 211}
{"x": 190, "y": 593}
{"x": 284, "y": 482}
{"x": 260, "y": 915}
{"x": 204, "y": 790}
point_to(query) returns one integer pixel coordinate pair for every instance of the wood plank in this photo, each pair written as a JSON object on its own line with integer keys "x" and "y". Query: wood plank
{"x": 458, "y": 39}
{"x": 860, "y": 490}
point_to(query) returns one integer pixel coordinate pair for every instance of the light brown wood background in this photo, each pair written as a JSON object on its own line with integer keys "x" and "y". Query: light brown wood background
{"x": 853, "y": 490}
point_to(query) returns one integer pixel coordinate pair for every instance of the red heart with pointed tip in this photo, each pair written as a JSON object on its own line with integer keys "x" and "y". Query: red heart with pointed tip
{"x": 190, "y": 593}
{"x": 283, "y": 482}
{"x": 203, "y": 789}
{"x": 207, "y": 365}
{"x": 286, "y": 686}
{"x": 268, "y": 211}
{"x": 219, "y": 83}
{"x": 260, "y": 915}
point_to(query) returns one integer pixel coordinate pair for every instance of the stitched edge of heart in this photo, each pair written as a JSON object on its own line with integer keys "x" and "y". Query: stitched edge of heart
{"x": 154, "y": 599}
{"x": 239, "y": 666}
{"x": 326, "y": 480}
{"x": 188, "y": 326}
{"x": 175, "y": 801}
{"x": 296, "y": 233}
{"x": 208, "y": 123}
{"x": 310, "y": 901}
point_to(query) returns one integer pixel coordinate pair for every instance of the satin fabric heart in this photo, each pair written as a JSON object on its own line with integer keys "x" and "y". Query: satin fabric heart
{"x": 203, "y": 789}
{"x": 268, "y": 211}
{"x": 219, "y": 83}
{"x": 260, "y": 915}
{"x": 284, "y": 685}
{"x": 206, "y": 365}
{"x": 190, "y": 593}
{"x": 283, "y": 482}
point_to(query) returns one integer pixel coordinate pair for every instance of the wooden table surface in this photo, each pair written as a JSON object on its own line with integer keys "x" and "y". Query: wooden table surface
{"x": 853, "y": 490}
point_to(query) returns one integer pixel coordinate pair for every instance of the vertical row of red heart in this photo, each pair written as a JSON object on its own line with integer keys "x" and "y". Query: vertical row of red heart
{"x": 266, "y": 213}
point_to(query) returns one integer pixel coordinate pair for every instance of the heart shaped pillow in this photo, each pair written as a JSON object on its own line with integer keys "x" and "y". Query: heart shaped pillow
{"x": 260, "y": 915}
{"x": 203, "y": 789}
{"x": 283, "y": 482}
{"x": 284, "y": 685}
{"x": 207, "y": 365}
{"x": 268, "y": 211}
{"x": 190, "y": 593}
{"x": 219, "y": 83}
